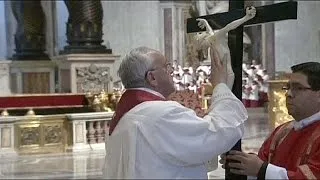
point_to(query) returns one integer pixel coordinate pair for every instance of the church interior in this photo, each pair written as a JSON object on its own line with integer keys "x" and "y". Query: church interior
{"x": 59, "y": 82}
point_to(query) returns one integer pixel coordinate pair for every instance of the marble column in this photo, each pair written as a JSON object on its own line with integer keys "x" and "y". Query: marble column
{"x": 173, "y": 16}
{"x": 7, "y": 138}
{"x": 4, "y": 78}
{"x": 268, "y": 45}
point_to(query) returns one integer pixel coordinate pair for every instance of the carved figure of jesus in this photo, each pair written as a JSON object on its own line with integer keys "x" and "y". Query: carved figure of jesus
{"x": 218, "y": 40}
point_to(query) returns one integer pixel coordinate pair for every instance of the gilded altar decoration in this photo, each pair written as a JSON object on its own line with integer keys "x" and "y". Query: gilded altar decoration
{"x": 278, "y": 113}
{"x": 103, "y": 102}
{"x": 93, "y": 78}
{"x": 52, "y": 133}
{"x": 41, "y": 134}
{"x": 30, "y": 135}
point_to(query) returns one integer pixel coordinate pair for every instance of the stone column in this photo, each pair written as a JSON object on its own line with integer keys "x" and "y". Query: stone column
{"x": 173, "y": 16}
{"x": 7, "y": 136}
{"x": 85, "y": 65}
{"x": 268, "y": 45}
{"x": 4, "y": 78}
{"x": 30, "y": 33}
{"x": 84, "y": 27}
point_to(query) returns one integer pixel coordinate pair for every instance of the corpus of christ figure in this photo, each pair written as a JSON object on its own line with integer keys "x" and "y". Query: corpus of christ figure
{"x": 218, "y": 39}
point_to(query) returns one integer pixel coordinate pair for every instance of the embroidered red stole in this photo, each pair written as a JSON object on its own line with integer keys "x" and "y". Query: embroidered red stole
{"x": 296, "y": 151}
{"x": 128, "y": 100}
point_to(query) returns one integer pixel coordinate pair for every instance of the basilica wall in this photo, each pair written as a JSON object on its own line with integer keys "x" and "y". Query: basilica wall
{"x": 298, "y": 41}
{"x": 129, "y": 24}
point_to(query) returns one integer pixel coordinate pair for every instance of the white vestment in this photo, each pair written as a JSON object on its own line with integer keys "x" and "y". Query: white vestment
{"x": 254, "y": 94}
{"x": 163, "y": 139}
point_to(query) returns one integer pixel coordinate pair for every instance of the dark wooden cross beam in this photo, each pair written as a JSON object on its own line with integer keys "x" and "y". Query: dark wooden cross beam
{"x": 269, "y": 13}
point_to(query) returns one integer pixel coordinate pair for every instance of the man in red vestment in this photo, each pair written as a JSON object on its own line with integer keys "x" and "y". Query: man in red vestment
{"x": 293, "y": 149}
{"x": 151, "y": 138}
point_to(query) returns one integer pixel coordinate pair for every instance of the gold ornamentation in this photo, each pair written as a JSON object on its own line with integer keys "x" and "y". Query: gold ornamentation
{"x": 277, "y": 105}
{"x": 41, "y": 134}
{"x": 306, "y": 171}
{"x": 30, "y": 136}
{"x": 103, "y": 101}
{"x": 52, "y": 134}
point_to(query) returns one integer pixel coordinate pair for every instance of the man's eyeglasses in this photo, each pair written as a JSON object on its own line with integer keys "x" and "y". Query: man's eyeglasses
{"x": 295, "y": 88}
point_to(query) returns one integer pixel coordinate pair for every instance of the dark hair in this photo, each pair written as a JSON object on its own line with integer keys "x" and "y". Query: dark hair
{"x": 312, "y": 71}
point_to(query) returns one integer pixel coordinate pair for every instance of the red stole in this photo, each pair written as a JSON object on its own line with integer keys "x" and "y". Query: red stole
{"x": 294, "y": 150}
{"x": 128, "y": 100}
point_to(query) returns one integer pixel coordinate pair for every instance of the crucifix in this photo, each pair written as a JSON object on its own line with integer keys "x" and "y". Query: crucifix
{"x": 264, "y": 14}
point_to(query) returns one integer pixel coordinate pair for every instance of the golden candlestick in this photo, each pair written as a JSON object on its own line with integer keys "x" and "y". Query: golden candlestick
{"x": 103, "y": 102}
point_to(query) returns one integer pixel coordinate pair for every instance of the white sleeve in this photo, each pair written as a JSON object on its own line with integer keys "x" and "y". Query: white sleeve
{"x": 276, "y": 172}
{"x": 183, "y": 138}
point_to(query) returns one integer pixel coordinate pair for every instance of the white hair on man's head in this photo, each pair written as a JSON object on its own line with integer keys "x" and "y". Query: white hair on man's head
{"x": 134, "y": 66}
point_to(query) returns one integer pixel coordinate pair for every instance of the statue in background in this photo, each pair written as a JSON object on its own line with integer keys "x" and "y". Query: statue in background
{"x": 218, "y": 39}
{"x": 84, "y": 27}
{"x": 30, "y": 39}
{"x": 218, "y": 6}
{"x": 193, "y": 55}
{"x": 214, "y": 6}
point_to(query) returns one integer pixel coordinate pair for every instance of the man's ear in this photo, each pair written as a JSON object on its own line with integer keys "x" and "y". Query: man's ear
{"x": 151, "y": 79}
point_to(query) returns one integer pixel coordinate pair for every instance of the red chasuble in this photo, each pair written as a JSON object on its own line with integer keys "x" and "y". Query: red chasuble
{"x": 128, "y": 100}
{"x": 296, "y": 151}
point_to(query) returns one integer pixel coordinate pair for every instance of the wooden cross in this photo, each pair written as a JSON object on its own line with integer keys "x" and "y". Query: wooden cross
{"x": 269, "y": 13}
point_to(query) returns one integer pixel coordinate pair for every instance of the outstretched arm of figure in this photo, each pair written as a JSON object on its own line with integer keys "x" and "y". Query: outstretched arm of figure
{"x": 203, "y": 23}
{"x": 250, "y": 13}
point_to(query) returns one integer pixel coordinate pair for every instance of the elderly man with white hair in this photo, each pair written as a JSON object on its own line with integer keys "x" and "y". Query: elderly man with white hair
{"x": 150, "y": 137}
